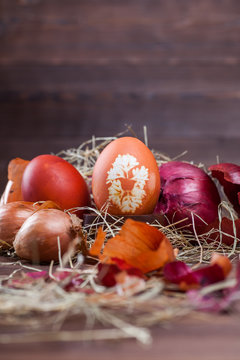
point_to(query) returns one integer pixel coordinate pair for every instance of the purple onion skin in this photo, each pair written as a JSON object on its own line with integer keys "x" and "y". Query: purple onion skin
{"x": 228, "y": 175}
{"x": 187, "y": 190}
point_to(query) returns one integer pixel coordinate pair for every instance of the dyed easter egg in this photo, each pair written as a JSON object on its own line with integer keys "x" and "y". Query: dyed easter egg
{"x": 49, "y": 177}
{"x": 126, "y": 178}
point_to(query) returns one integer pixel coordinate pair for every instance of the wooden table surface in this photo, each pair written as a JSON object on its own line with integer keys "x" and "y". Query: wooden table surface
{"x": 215, "y": 338}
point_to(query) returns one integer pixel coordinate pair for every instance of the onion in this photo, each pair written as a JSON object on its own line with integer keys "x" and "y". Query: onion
{"x": 45, "y": 235}
{"x": 12, "y": 216}
{"x": 187, "y": 192}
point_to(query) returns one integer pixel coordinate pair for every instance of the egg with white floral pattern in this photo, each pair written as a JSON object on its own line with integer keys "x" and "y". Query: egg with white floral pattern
{"x": 126, "y": 178}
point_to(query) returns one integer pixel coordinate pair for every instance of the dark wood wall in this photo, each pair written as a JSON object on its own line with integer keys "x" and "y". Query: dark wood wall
{"x": 73, "y": 68}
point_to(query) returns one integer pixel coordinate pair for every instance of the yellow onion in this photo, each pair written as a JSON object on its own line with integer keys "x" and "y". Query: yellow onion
{"x": 45, "y": 235}
{"x": 12, "y": 216}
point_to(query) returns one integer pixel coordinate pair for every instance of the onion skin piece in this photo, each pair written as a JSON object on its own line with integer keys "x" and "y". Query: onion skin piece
{"x": 180, "y": 273}
{"x": 13, "y": 192}
{"x": 137, "y": 244}
{"x": 12, "y": 216}
{"x": 227, "y": 228}
{"x": 228, "y": 175}
{"x": 186, "y": 190}
{"x": 37, "y": 239}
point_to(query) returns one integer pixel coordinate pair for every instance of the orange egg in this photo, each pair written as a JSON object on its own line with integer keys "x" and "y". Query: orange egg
{"x": 126, "y": 178}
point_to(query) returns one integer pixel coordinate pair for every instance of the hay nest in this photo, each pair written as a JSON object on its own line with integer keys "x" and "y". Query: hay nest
{"x": 45, "y": 305}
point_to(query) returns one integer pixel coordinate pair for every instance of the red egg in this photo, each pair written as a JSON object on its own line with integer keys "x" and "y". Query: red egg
{"x": 49, "y": 177}
{"x": 126, "y": 178}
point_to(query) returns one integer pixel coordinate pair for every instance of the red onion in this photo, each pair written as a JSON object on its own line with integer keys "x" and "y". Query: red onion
{"x": 187, "y": 192}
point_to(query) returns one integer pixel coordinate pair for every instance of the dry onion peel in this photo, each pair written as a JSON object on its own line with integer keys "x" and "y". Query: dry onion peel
{"x": 98, "y": 243}
{"x": 138, "y": 244}
{"x": 224, "y": 230}
{"x": 179, "y": 273}
{"x": 223, "y": 262}
{"x": 48, "y": 204}
{"x": 13, "y": 190}
{"x": 229, "y": 177}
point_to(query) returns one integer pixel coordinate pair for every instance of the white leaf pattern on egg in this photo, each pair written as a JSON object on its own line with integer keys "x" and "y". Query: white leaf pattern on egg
{"x": 125, "y": 167}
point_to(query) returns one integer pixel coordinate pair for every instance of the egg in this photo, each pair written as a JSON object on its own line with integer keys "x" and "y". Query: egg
{"x": 49, "y": 177}
{"x": 126, "y": 178}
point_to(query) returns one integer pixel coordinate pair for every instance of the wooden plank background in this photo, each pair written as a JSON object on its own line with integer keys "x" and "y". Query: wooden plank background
{"x": 73, "y": 68}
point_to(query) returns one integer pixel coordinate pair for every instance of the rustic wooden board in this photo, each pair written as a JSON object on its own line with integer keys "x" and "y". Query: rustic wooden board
{"x": 69, "y": 31}
{"x": 56, "y": 101}
{"x": 106, "y": 114}
{"x": 86, "y": 67}
{"x": 215, "y": 338}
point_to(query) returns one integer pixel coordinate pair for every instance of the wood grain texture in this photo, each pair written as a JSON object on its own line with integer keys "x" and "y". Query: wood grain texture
{"x": 83, "y": 67}
{"x": 191, "y": 339}
{"x": 47, "y": 116}
{"x": 70, "y": 69}
{"x": 72, "y": 31}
